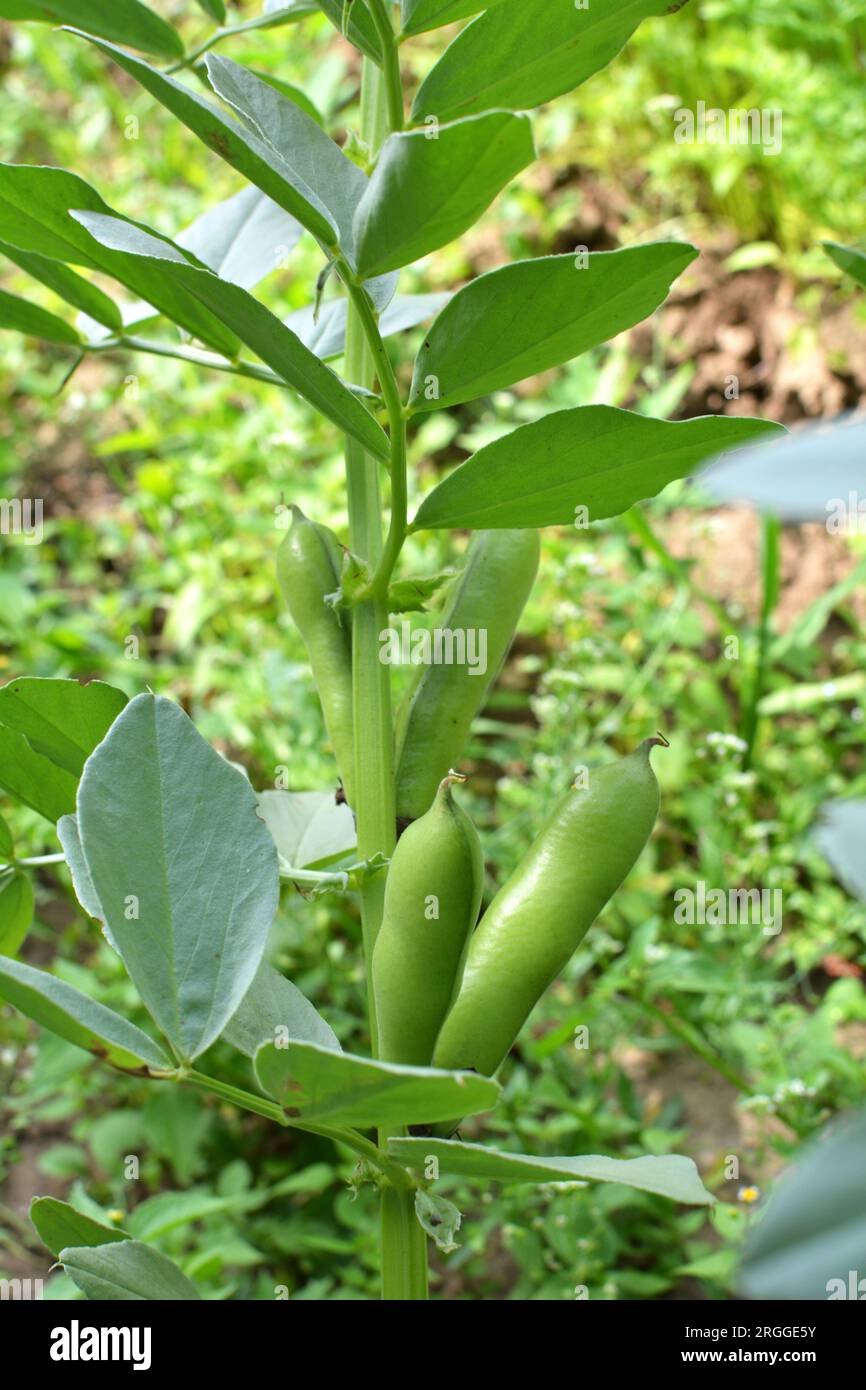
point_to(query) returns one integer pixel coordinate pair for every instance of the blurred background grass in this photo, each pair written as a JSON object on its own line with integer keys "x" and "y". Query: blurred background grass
{"x": 163, "y": 491}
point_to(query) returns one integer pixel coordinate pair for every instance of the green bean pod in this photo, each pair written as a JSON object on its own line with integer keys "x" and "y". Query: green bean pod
{"x": 539, "y": 917}
{"x": 432, "y": 897}
{"x": 308, "y": 569}
{"x": 437, "y": 712}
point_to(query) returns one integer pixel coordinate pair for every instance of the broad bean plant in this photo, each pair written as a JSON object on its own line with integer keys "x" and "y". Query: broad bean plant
{"x": 171, "y": 850}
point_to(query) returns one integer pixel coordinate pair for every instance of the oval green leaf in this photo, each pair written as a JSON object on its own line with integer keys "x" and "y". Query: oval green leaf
{"x": 593, "y": 457}
{"x": 424, "y": 191}
{"x": 59, "y": 1225}
{"x": 313, "y": 1083}
{"x": 127, "y": 21}
{"x": 126, "y": 1272}
{"x": 670, "y": 1175}
{"x": 520, "y": 55}
{"x": 533, "y": 315}
{"x": 183, "y": 867}
{"x": 273, "y": 1006}
{"x": 61, "y": 719}
{"x": 64, "y": 1010}
{"x": 16, "y": 912}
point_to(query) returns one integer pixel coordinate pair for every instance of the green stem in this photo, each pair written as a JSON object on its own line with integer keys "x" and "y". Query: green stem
{"x": 311, "y": 875}
{"x": 349, "y": 1138}
{"x": 391, "y": 66}
{"x": 244, "y": 1100}
{"x": 199, "y": 357}
{"x": 404, "y": 1243}
{"x": 366, "y": 318}
{"x": 374, "y": 756}
{"x": 404, "y": 1248}
{"x": 34, "y": 862}
{"x": 264, "y": 21}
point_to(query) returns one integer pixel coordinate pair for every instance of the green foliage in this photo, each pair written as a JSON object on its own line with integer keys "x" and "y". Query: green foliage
{"x": 169, "y": 554}
{"x": 191, "y": 926}
{"x": 588, "y": 463}
{"x": 670, "y": 1177}
{"x": 321, "y": 1084}
{"x": 127, "y": 21}
{"x": 529, "y": 316}
{"x": 77, "y": 1018}
{"x": 59, "y": 1225}
{"x": 425, "y": 192}
{"x": 124, "y": 1272}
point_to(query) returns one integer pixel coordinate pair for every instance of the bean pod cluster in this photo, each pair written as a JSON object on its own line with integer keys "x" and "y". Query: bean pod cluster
{"x": 450, "y": 993}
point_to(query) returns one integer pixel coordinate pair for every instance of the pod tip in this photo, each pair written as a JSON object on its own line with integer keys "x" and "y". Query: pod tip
{"x": 451, "y": 779}
{"x": 658, "y": 741}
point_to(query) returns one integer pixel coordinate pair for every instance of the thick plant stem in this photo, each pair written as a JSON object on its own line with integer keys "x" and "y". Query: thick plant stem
{"x": 374, "y": 758}
{"x": 404, "y": 1248}
{"x": 366, "y": 318}
{"x": 404, "y": 1243}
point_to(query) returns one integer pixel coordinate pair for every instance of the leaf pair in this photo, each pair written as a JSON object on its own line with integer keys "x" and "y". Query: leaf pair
{"x": 574, "y": 466}
{"x": 102, "y": 1260}
{"x": 427, "y": 188}
{"x": 70, "y": 221}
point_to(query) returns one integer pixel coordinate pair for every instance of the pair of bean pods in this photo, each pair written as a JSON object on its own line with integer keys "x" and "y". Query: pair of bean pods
{"x": 450, "y": 993}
